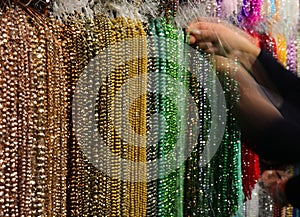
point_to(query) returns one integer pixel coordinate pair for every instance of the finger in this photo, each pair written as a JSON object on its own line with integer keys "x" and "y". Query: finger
{"x": 211, "y": 50}
{"x": 192, "y": 39}
{"x": 197, "y": 26}
{"x": 209, "y": 19}
{"x": 204, "y": 45}
{"x": 204, "y": 35}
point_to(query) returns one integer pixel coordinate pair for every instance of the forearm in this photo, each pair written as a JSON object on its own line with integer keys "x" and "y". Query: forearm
{"x": 253, "y": 104}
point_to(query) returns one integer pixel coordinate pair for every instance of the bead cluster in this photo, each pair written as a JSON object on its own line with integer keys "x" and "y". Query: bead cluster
{"x": 45, "y": 170}
{"x": 33, "y": 123}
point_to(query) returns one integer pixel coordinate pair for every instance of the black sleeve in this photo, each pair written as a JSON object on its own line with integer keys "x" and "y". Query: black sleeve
{"x": 292, "y": 191}
{"x": 282, "y": 78}
{"x": 280, "y": 142}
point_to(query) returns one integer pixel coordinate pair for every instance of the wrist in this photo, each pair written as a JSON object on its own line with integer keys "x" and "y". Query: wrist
{"x": 247, "y": 57}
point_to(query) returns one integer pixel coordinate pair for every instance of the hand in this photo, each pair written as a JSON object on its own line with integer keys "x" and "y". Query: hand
{"x": 221, "y": 38}
{"x": 274, "y": 183}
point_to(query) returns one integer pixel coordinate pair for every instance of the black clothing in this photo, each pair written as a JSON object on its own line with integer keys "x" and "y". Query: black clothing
{"x": 281, "y": 141}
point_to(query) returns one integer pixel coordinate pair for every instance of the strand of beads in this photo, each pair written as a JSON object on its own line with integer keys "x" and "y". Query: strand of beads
{"x": 138, "y": 113}
{"x": 193, "y": 194}
{"x": 70, "y": 33}
{"x": 106, "y": 39}
{"x": 115, "y": 83}
{"x": 25, "y": 113}
{"x": 61, "y": 135}
{"x": 98, "y": 31}
{"x": 50, "y": 133}
{"x": 175, "y": 178}
{"x": 76, "y": 161}
{"x": 168, "y": 8}
{"x": 3, "y": 128}
{"x": 27, "y": 163}
{"x": 266, "y": 205}
{"x": 182, "y": 122}
{"x": 39, "y": 148}
{"x": 162, "y": 125}
{"x": 250, "y": 168}
{"x": 152, "y": 117}
{"x": 10, "y": 121}
{"x": 171, "y": 106}
{"x": 142, "y": 121}
{"x": 51, "y": 143}
{"x": 166, "y": 181}
{"x": 281, "y": 48}
{"x": 89, "y": 149}
{"x": 233, "y": 196}
{"x": 291, "y": 56}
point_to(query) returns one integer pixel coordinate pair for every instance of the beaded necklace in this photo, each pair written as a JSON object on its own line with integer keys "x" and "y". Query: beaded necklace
{"x": 250, "y": 168}
{"x": 193, "y": 182}
{"x": 291, "y": 55}
{"x": 25, "y": 113}
{"x": 98, "y": 24}
{"x": 106, "y": 38}
{"x": 166, "y": 182}
{"x": 10, "y": 126}
{"x": 39, "y": 148}
{"x": 168, "y": 8}
{"x": 52, "y": 147}
{"x": 118, "y": 197}
{"x": 266, "y": 205}
{"x": 36, "y": 132}
{"x": 4, "y": 134}
{"x": 281, "y": 49}
{"x": 226, "y": 164}
{"x": 152, "y": 119}
{"x": 70, "y": 33}
{"x": 60, "y": 115}
{"x": 79, "y": 170}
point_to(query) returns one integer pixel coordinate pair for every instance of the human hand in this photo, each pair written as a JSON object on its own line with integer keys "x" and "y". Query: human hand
{"x": 221, "y": 38}
{"x": 274, "y": 183}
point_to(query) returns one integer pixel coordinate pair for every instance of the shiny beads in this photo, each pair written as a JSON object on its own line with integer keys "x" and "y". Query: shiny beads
{"x": 45, "y": 171}
{"x": 32, "y": 183}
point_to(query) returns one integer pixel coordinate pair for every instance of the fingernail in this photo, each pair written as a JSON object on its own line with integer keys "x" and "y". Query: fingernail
{"x": 195, "y": 31}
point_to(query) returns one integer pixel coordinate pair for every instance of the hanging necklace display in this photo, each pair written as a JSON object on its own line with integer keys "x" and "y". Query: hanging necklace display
{"x": 44, "y": 171}
{"x": 119, "y": 197}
